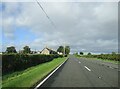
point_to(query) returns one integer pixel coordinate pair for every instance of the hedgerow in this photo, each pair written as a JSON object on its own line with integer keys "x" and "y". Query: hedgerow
{"x": 115, "y": 57}
{"x": 17, "y": 62}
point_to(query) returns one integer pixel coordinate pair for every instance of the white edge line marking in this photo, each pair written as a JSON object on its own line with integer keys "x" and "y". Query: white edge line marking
{"x": 87, "y": 68}
{"x": 49, "y": 75}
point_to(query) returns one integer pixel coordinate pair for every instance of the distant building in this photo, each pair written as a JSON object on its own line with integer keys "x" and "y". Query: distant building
{"x": 33, "y": 52}
{"x": 48, "y": 51}
{"x": 60, "y": 53}
{"x": 38, "y": 52}
{"x": 21, "y": 51}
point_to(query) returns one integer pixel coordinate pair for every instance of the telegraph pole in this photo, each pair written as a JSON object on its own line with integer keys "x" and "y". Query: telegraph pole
{"x": 64, "y": 49}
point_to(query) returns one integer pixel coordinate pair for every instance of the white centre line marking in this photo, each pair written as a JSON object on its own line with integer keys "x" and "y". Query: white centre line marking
{"x": 87, "y": 68}
{"x": 79, "y": 62}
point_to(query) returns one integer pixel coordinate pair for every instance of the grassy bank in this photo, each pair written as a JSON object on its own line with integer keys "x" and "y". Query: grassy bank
{"x": 18, "y": 62}
{"x": 105, "y": 60}
{"x": 30, "y": 76}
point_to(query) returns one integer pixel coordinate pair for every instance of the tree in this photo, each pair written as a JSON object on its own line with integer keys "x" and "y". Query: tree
{"x": 60, "y": 49}
{"x": 11, "y": 49}
{"x": 26, "y": 49}
{"x": 81, "y": 53}
{"x": 113, "y": 53}
{"x": 67, "y": 50}
{"x": 89, "y": 54}
{"x": 76, "y": 53}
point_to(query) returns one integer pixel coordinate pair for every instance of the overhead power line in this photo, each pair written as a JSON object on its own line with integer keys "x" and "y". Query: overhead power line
{"x": 52, "y": 23}
{"x": 46, "y": 14}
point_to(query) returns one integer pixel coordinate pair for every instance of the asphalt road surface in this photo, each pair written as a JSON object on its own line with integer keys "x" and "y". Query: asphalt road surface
{"x": 82, "y": 72}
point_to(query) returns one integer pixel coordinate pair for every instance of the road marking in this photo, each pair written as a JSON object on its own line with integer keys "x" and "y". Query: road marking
{"x": 79, "y": 62}
{"x": 87, "y": 68}
{"x": 49, "y": 75}
{"x": 110, "y": 67}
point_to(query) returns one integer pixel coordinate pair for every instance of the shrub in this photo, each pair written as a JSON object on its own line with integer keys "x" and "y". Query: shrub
{"x": 17, "y": 62}
{"x": 66, "y": 55}
{"x": 115, "y": 57}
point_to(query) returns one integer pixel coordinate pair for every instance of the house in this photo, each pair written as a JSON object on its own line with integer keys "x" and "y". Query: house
{"x": 48, "y": 51}
{"x": 60, "y": 53}
{"x": 38, "y": 52}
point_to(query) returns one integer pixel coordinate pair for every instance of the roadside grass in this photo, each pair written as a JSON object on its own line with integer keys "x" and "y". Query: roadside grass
{"x": 31, "y": 76}
{"x": 105, "y": 60}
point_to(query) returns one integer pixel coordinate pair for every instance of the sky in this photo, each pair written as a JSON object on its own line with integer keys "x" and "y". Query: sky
{"x": 84, "y": 26}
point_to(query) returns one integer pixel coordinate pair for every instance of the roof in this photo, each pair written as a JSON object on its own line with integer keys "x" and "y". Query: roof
{"x": 48, "y": 49}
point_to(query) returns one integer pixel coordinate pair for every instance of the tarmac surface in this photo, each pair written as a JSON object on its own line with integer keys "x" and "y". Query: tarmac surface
{"x": 83, "y": 72}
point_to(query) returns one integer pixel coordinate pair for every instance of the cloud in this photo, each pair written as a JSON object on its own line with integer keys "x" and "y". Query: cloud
{"x": 83, "y": 25}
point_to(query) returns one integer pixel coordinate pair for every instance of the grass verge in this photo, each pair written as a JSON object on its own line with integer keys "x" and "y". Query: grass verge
{"x": 30, "y": 76}
{"x": 105, "y": 60}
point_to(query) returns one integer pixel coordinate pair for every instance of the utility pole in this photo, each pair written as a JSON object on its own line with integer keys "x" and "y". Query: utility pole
{"x": 64, "y": 49}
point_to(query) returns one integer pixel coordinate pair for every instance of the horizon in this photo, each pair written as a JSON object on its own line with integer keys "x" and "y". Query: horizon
{"x": 85, "y": 52}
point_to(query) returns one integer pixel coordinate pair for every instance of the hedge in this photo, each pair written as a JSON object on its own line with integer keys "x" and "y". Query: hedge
{"x": 17, "y": 62}
{"x": 115, "y": 57}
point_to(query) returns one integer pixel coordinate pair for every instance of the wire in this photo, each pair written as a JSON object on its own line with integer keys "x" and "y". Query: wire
{"x": 46, "y": 14}
{"x": 48, "y": 19}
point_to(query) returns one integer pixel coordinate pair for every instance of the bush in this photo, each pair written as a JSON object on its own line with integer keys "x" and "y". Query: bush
{"x": 66, "y": 55}
{"x": 16, "y": 62}
{"x": 115, "y": 57}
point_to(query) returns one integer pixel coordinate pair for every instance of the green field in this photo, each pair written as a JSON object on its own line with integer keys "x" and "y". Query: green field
{"x": 105, "y": 60}
{"x": 30, "y": 76}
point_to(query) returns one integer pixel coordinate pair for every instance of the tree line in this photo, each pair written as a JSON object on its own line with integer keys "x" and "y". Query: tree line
{"x": 16, "y": 61}
{"x": 113, "y": 56}
{"x": 61, "y": 49}
{"x": 12, "y": 49}
{"x": 64, "y": 50}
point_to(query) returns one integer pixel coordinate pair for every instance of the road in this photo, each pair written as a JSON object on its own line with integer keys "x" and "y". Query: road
{"x": 82, "y": 72}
